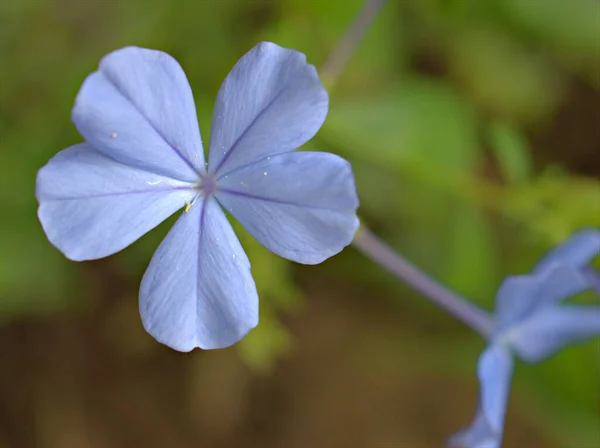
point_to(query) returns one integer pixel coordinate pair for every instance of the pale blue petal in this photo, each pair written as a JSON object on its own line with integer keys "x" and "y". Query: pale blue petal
{"x": 198, "y": 290}
{"x": 138, "y": 108}
{"x": 478, "y": 435}
{"x": 301, "y": 206}
{"x": 553, "y": 328}
{"x": 519, "y": 297}
{"x": 593, "y": 277}
{"x": 515, "y": 300}
{"x": 561, "y": 282}
{"x": 577, "y": 251}
{"x": 92, "y": 206}
{"x": 494, "y": 371}
{"x": 271, "y": 102}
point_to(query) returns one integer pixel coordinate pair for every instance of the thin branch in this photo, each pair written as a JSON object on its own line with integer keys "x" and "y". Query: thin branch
{"x": 468, "y": 313}
{"x": 341, "y": 54}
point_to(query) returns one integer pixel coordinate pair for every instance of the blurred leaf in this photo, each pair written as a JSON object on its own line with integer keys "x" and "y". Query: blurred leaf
{"x": 32, "y": 281}
{"x": 471, "y": 256}
{"x": 512, "y": 152}
{"x": 502, "y": 76}
{"x": 34, "y": 276}
{"x": 564, "y": 387}
{"x": 266, "y": 343}
{"x": 562, "y": 204}
{"x": 425, "y": 125}
{"x": 571, "y": 27}
{"x": 271, "y": 273}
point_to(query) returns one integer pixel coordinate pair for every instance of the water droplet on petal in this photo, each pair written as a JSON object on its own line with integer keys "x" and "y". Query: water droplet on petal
{"x": 265, "y": 173}
{"x": 233, "y": 255}
{"x": 113, "y": 135}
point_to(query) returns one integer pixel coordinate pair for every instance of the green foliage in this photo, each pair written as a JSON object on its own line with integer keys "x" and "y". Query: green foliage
{"x": 424, "y": 123}
{"x": 512, "y": 152}
{"x": 265, "y": 344}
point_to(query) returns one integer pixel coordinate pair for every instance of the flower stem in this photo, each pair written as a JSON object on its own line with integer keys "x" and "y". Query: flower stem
{"x": 468, "y": 313}
{"x": 341, "y": 54}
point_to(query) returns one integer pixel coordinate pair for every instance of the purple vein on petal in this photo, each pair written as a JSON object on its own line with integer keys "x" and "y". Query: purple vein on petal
{"x": 266, "y": 199}
{"x": 185, "y": 159}
{"x": 118, "y": 193}
{"x": 242, "y": 135}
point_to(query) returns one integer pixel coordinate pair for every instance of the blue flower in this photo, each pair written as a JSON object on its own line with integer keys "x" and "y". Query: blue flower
{"x": 531, "y": 322}
{"x": 143, "y": 160}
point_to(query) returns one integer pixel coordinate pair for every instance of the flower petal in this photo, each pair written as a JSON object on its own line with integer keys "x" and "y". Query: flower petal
{"x": 494, "y": 370}
{"x": 577, "y": 251}
{"x": 92, "y": 206}
{"x": 515, "y": 299}
{"x": 593, "y": 277}
{"x": 198, "y": 290}
{"x": 554, "y": 328}
{"x": 271, "y": 102}
{"x": 301, "y": 206}
{"x": 559, "y": 282}
{"x": 139, "y": 109}
{"x": 521, "y": 296}
{"x": 478, "y": 435}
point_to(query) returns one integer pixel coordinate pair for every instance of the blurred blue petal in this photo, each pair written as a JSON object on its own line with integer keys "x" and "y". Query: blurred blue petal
{"x": 577, "y": 251}
{"x": 271, "y": 102}
{"x": 593, "y": 277}
{"x": 553, "y": 328}
{"x": 478, "y": 435}
{"x": 559, "y": 282}
{"x": 521, "y": 296}
{"x": 92, "y": 206}
{"x": 301, "y": 206}
{"x": 198, "y": 290}
{"x": 494, "y": 371}
{"x": 531, "y": 322}
{"x": 515, "y": 299}
{"x": 139, "y": 109}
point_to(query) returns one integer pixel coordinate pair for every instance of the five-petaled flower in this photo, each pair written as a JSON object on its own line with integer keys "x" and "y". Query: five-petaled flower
{"x": 142, "y": 160}
{"x": 531, "y": 322}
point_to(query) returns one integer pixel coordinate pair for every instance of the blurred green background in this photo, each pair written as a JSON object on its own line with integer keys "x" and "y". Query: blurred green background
{"x": 473, "y": 129}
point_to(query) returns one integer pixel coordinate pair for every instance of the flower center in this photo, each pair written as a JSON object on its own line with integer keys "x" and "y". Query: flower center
{"x": 208, "y": 185}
